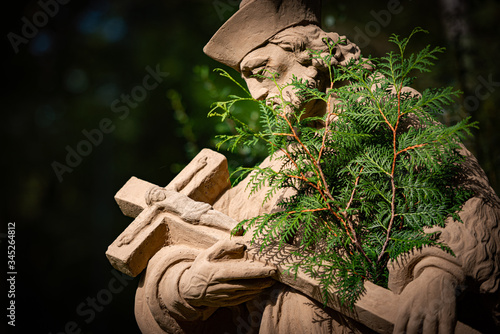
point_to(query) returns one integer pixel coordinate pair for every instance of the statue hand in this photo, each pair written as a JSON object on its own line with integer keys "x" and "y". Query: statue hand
{"x": 220, "y": 276}
{"x": 428, "y": 304}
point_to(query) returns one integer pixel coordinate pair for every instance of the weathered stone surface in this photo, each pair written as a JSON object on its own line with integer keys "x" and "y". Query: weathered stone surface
{"x": 131, "y": 252}
{"x": 377, "y": 308}
{"x": 262, "y": 21}
{"x": 131, "y": 197}
{"x": 196, "y": 272}
{"x": 205, "y": 178}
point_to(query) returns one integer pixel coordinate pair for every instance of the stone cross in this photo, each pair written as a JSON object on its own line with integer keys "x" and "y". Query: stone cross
{"x": 204, "y": 179}
{"x": 181, "y": 213}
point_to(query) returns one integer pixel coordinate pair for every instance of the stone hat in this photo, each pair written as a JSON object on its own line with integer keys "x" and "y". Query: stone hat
{"x": 254, "y": 23}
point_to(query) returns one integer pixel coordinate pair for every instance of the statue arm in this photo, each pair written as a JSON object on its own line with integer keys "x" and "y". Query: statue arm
{"x": 475, "y": 241}
{"x": 187, "y": 285}
{"x": 429, "y": 281}
{"x": 161, "y": 287}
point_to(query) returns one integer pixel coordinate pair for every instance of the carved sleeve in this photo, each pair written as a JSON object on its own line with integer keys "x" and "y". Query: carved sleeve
{"x": 475, "y": 242}
{"x": 160, "y": 289}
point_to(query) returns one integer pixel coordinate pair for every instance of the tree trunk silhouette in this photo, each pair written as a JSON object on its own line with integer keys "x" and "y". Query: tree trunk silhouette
{"x": 471, "y": 79}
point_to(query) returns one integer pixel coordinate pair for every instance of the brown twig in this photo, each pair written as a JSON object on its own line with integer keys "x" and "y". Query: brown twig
{"x": 353, "y": 190}
{"x": 411, "y": 148}
{"x": 322, "y": 186}
{"x": 327, "y": 124}
{"x": 393, "y": 184}
{"x": 308, "y": 210}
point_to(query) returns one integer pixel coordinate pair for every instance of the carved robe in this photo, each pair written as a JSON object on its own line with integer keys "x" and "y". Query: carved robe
{"x": 280, "y": 309}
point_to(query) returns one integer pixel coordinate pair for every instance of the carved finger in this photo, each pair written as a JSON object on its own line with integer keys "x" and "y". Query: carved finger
{"x": 415, "y": 322}
{"x": 225, "y": 249}
{"x": 402, "y": 321}
{"x": 242, "y": 270}
{"x": 230, "y": 299}
{"x": 447, "y": 320}
{"x": 235, "y": 251}
{"x": 240, "y": 286}
{"x": 231, "y": 295}
{"x": 430, "y": 324}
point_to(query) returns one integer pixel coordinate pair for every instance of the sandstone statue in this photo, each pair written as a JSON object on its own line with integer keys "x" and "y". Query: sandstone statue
{"x": 198, "y": 279}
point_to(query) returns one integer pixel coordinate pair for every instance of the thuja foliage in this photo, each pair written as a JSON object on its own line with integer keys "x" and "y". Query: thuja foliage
{"x": 365, "y": 183}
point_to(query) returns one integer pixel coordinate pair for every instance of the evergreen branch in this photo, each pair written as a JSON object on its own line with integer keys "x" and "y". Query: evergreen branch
{"x": 308, "y": 210}
{"x": 353, "y": 191}
{"x": 393, "y": 185}
{"x": 403, "y": 43}
{"x": 364, "y": 185}
{"x": 385, "y": 119}
{"x": 327, "y": 122}
{"x": 282, "y": 134}
{"x": 411, "y": 148}
{"x": 227, "y": 75}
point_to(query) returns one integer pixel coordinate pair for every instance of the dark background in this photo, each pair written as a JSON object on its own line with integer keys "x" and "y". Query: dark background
{"x": 64, "y": 80}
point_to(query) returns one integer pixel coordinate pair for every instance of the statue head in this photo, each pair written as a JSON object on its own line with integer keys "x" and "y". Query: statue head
{"x": 155, "y": 194}
{"x": 276, "y": 36}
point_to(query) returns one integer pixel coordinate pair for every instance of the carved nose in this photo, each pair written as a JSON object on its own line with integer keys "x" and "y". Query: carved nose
{"x": 258, "y": 92}
{"x": 261, "y": 94}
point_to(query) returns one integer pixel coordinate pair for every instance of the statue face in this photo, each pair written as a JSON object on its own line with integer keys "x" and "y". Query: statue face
{"x": 155, "y": 194}
{"x": 273, "y": 58}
